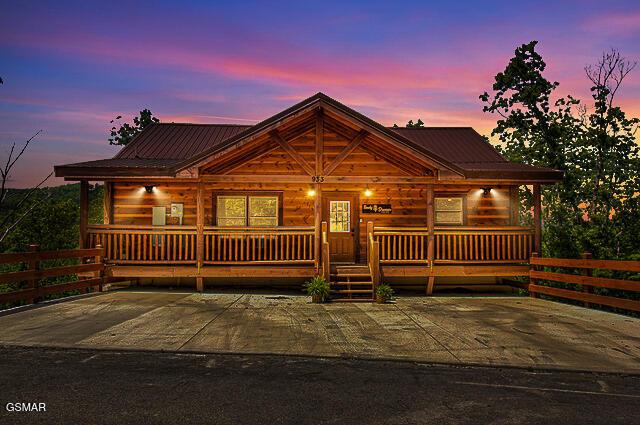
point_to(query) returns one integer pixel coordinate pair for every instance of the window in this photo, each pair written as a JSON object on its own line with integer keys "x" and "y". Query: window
{"x": 232, "y": 211}
{"x": 263, "y": 210}
{"x": 243, "y": 210}
{"x": 339, "y": 216}
{"x": 449, "y": 211}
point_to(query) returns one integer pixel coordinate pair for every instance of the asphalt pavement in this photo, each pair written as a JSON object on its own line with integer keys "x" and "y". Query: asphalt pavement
{"x": 100, "y": 386}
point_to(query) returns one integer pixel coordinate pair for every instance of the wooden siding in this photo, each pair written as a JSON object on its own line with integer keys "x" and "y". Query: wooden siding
{"x": 133, "y": 205}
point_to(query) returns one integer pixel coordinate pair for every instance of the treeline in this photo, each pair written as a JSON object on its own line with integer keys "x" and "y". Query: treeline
{"x": 54, "y": 222}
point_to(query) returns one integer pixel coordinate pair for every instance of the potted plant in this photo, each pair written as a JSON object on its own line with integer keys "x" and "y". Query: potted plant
{"x": 383, "y": 293}
{"x": 318, "y": 288}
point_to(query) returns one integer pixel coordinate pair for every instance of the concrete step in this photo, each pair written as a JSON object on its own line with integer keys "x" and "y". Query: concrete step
{"x": 351, "y": 300}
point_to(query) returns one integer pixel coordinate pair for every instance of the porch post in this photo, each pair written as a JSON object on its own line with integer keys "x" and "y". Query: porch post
{"x": 514, "y": 201}
{"x": 84, "y": 212}
{"x": 317, "y": 210}
{"x": 431, "y": 238}
{"x": 107, "y": 203}
{"x": 317, "y": 205}
{"x": 537, "y": 219}
{"x": 199, "y": 236}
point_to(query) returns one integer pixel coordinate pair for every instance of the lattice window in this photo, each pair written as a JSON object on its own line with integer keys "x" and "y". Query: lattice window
{"x": 339, "y": 216}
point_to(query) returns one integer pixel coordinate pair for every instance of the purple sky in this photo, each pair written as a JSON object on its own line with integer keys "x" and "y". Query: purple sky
{"x": 70, "y": 67}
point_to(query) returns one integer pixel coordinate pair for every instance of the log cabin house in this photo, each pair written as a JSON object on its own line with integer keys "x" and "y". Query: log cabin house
{"x": 316, "y": 189}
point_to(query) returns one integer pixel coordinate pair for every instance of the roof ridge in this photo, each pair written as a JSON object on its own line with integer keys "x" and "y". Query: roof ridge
{"x": 211, "y": 124}
{"x": 433, "y": 127}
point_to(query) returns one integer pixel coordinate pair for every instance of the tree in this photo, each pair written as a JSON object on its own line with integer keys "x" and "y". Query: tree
{"x": 597, "y": 152}
{"x": 610, "y": 156}
{"x": 126, "y": 132}
{"x": 13, "y": 212}
{"x": 411, "y": 124}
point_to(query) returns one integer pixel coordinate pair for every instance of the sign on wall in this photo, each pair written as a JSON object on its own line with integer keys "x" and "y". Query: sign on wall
{"x": 376, "y": 208}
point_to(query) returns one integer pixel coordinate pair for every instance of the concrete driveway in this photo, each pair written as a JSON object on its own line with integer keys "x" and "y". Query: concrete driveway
{"x": 458, "y": 330}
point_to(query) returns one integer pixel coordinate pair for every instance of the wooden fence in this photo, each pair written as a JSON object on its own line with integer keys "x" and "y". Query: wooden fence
{"x": 90, "y": 269}
{"x": 586, "y": 281}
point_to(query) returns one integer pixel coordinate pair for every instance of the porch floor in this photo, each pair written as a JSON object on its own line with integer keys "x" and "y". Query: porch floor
{"x": 459, "y": 330}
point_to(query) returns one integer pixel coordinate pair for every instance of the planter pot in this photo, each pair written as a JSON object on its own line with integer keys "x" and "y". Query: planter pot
{"x": 317, "y": 299}
{"x": 380, "y": 299}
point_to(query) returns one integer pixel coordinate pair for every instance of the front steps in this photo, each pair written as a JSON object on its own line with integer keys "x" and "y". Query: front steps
{"x": 352, "y": 283}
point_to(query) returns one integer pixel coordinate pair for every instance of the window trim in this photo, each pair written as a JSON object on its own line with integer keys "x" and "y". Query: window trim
{"x": 246, "y": 194}
{"x": 350, "y": 212}
{"x": 463, "y": 196}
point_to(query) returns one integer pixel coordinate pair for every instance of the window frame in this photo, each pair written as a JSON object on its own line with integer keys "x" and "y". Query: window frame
{"x": 246, "y": 194}
{"x": 349, "y": 212}
{"x": 462, "y": 196}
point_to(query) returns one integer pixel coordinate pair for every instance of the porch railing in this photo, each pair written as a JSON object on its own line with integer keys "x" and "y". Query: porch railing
{"x": 466, "y": 244}
{"x": 273, "y": 245}
{"x": 126, "y": 244}
{"x": 145, "y": 244}
{"x": 483, "y": 244}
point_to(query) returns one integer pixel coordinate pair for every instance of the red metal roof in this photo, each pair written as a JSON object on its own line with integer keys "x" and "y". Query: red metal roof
{"x": 456, "y": 144}
{"x": 166, "y": 148}
{"x": 178, "y": 141}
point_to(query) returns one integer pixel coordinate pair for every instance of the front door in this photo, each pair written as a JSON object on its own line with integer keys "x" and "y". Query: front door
{"x": 340, "y": 211}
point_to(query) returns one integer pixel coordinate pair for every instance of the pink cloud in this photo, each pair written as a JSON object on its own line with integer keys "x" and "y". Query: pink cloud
{"x": 615, "y": 23}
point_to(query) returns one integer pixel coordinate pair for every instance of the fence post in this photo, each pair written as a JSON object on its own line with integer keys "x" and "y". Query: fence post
{"x": 587, "y": 272}
{"x": 532, "y": 281}
{"x": 34, "y": 265}
{"x": 100, "y": 273}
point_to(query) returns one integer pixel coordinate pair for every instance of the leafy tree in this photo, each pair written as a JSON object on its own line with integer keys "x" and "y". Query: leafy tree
{"x": 596, "y": 150}
{"x": 411, "y": 124}
{"x": 126, "y": 132}
{"x": 54, "y": 224}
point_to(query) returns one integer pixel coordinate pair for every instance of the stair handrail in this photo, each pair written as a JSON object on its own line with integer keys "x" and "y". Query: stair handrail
{"x": 326, "y": 263}
{"x": 373, "y": 258}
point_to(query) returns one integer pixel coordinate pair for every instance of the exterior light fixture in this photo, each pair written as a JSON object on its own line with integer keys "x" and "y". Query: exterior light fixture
{"x": 486, "y": 191}
{"x": 311, "y": 193}
{"x": 149, "y": 188}
{"x": 368, "y": 192}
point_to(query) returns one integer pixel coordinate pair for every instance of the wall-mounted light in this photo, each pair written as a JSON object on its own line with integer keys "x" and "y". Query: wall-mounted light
{"x": 486, "y": 191}
{"x": 368, "y": 192}
{"x": 311, "y": 193}
{"x": 149, "y": 189}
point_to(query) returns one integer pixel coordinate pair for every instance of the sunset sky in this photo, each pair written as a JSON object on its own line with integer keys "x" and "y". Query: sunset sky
{"x": 70, "y": 67}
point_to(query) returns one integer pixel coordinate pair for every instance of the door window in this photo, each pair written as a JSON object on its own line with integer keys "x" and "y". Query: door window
{"x": 339, "y": 216}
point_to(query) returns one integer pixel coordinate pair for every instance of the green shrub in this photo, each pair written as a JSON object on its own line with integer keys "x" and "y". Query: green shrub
{"x": 318, "y": 288}
{"x": 384, "y": 293}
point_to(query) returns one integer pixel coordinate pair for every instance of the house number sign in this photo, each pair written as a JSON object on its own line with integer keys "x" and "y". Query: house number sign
{"x": 317, "y": 179}
{"x": 376, "y": 208}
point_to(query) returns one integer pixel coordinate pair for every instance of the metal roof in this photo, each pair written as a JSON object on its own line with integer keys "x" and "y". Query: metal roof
{"x": 178, "y": 141}
{"x": 165, "y": 148}
{"x": 456, "y": 144}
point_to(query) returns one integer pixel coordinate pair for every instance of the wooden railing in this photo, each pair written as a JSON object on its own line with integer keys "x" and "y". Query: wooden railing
{"x": 373, "y": 257}
{"x": 585, "y": 281}
{"x": 402, "y": 244}
{"x": 273, "y": 245}
{"x": 483, "y": 244}
{"x": 325, "y": 254}
{"x": 460, "y": 244}
{"x": 28, "y": 282}
{"x": 145, "y": 244}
